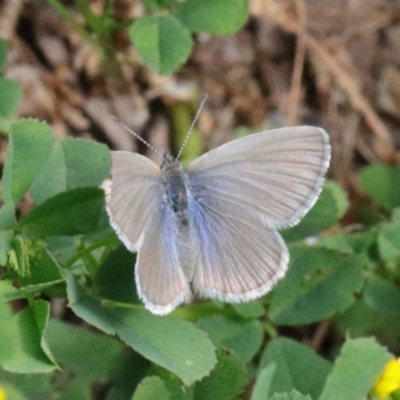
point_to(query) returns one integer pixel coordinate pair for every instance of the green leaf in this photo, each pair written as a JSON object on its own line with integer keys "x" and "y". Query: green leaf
{"x": 263, "y": 383}
{"x": 31, "y": 353}
{"x": 226, "y": 381}
{"x": 7, "y": 220}
{"x": 88, "y": 162}
{"x": 329, "y": 209}
{"x": 86, "y": 357}
{"x": 75, "y": 212}
{"x": 341, "y": 197}
{"x": 156, "y": 4}
{"x": 7, "y": 216}
{"x": 73, "y": 163}
{"x": 122, "y": 382}
{"x": 293, "y": 395}
{"x": 23, "y": 250}
{"x": 30, "y": 386}
{"x": 162, "y": 41}
{"x": 302, "y": 298}
{"x": 30, "y": 145}
{"x": 43, "y": 269}
{"x": 3, "y": 54}
{"x": 360, "y": 320}
{"x": 252, "y": 309}
{"x": 221, "y": 17}
{"x": 172, "y": 383}
{"x": 10, "y": 392}
{"x": 244, "y": 338}
{"x": 63, "y": 248}
{"x": 389, "y": 241}
{"x": 7, "y": 291}
{"x": 355, "y": 370}
{"x": 292, "y": 360}
{"x": 358, "y": 243}
{"x": 382, "y": 296}
{"x": 152, "y": 388}
{"x": 7, "y": 332}
{"x": 170, "y": 342}
{"x": 115, "y": 278}
{"x": 381, "y": 183}
{"x": 10, "y": 97}
{"x": 53, "y": 178}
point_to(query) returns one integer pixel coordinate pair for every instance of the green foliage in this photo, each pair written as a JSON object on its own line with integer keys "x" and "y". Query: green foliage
{"x": 291, "y": 360}
{"x": 302, "y": 297}
{"x": 152, "y": 388}
{"x": 167, "y": 341}
{"x": 3, "y": 54}
{"x": 70, "y": 213}
{"x": 163, "y": 40}
{"x": 222, "y": 17}
{"x": 242, "y": 337}
{"x": 163, "y": 36}
{"x": 226, "y": 381}
{"x": 73, "y": 163}
{"x": 329, "y": 209}
{"x": 293, "y": 395}
{"x": 64, "y": 248}
{"x": 381, "y": 183}
{"x": 30, "y": 351}
{"x": 29, "y": 148}
{"x": 361, "y": 358}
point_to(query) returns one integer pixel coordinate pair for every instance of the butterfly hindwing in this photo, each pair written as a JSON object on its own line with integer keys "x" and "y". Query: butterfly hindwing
{"x": 143, "y": 223}
{"x": 240, "y": 259}
{"x": 160, "y": 280}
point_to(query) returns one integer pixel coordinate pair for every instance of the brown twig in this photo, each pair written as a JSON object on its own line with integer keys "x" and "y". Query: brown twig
{"x": 9, "y": 13}
{"x": 320, "y": 334}
{"x": 295, "y": 91}
{"x": 383, "y": 145}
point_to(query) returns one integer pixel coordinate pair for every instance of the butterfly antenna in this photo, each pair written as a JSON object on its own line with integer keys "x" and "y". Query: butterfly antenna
{"x": 203, "y": 101}
{"x": 120, "y": 123}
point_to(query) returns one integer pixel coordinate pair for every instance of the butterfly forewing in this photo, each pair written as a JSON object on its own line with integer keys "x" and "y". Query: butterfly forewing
{"x": 138, "y": 216}
{"x": 275, "y": 175}
{"x": 242, "y": 192}
{"x": 135, "y": 193}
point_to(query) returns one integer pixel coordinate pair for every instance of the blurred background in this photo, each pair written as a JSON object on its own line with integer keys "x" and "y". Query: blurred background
{"x": 330, "y": 64}
{"x": 278, "y": 63}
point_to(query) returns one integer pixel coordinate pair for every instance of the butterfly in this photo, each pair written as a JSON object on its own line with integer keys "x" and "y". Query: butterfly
{"x": 212, "y": 229}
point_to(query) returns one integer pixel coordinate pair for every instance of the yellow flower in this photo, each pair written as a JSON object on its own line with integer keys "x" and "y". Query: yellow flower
{"x": 389, "y": 381}
{"x": 3, "y": 395}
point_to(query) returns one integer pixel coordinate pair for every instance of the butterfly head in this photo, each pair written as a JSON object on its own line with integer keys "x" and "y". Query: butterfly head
{"x": 170, "y": 164}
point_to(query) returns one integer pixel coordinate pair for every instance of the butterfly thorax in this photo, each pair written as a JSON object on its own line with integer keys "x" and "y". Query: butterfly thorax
{"x": 176, "y": 189}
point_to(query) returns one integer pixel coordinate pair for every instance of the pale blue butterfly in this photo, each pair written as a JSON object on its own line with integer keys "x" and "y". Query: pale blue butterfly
{"x": 213, "y": 227}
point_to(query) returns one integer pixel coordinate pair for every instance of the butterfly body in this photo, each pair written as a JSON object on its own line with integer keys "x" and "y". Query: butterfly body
{"x": 176, "y": 203}
{"x": 176, "y": 190}
{"x": 212, "y": 229}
